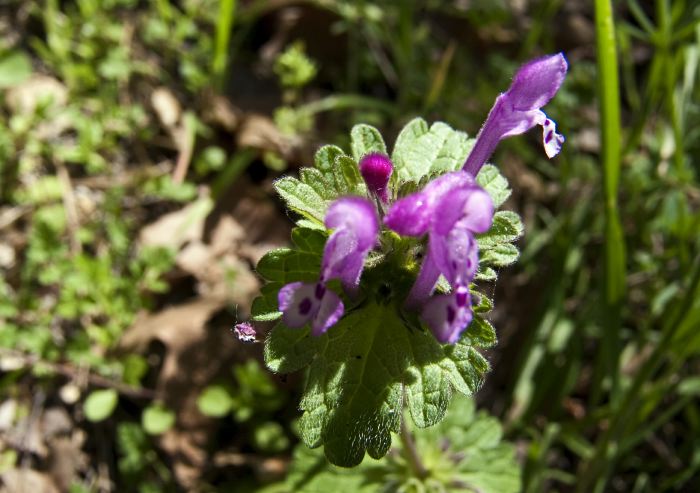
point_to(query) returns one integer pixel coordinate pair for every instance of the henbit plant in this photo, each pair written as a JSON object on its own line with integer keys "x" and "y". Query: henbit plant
{"x": 384, "y": 319}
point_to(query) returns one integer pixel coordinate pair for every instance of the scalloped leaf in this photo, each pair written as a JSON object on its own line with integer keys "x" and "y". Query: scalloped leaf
{"x": 366, "y": 139}
{"x": 363, "y": 370}
{"x": 494, "y": 183}
{"x": 301, "y": 198}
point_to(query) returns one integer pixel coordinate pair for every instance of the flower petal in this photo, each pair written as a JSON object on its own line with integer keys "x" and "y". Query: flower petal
{"x": 456, "y": 254}
{"x": 411, "y": 215}
{"x": 425, "y": 283}
{"x": 472, "y": 206}
{"x": 245, "y": 332}
{"x": 299, "y": 303}
{"x": 376, "y": 170}
{"x": 536, "y": 82}
{"x": 448, "y": 315}
{"x": 329, "y": 313}
{"x": 550, "y": 138}
{"x": 355, "y": 214}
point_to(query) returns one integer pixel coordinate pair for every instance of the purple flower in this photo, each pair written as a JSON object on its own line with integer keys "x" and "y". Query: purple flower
{"x": 376, "y": 170}
{"x": 301, "y": 303}
{"x": 518, "y": 110}
{"x": 245, "y": 332}
{"x": 356, "y": 226}
{"x": 451, "y": 209}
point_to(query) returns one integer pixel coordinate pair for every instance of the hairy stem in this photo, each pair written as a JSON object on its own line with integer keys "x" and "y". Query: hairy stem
{"x": 411, "y": 453}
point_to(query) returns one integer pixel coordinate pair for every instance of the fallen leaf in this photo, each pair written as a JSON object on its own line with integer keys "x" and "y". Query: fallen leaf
{"x": 27, "y": 480}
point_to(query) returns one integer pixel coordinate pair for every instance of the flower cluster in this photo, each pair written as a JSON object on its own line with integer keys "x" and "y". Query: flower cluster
{"x": 450, "y": 210}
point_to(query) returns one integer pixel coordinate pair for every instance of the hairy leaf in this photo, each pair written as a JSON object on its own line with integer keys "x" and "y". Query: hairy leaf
{"x": 366, "y": 139}
{"x": 364, "y": 368}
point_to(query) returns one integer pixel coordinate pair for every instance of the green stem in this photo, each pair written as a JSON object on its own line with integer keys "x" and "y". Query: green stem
{"x": 609, "y": 103}
{"x": 411, "y": 453}
{"x": 224, "y": 24}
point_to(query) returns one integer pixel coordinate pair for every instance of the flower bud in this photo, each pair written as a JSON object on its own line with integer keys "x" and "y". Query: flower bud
{"x": 376, "y": 170}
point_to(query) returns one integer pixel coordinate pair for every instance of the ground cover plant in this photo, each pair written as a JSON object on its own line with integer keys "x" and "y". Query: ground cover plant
{"x": 155, "y": 155}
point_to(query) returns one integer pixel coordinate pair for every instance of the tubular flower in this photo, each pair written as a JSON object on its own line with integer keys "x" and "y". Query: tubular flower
{"x": 376, "y": 170}
{"x": 356, "y": 227}
{"x": 451, "y": 209}
{"x": 519, "y": 109}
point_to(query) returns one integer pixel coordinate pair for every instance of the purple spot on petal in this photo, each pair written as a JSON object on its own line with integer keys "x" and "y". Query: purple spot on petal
{"x": 305, "y": 306}
{"x": 461, "y": 298}
{"x": 547, "y": 122}
{"x": 548, "y": 137}
{"x": 450, "y": 314}
{"x": 320, "y": 291}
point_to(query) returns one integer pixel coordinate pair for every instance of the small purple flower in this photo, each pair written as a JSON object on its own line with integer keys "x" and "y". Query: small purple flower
{"x": 376, "y": 170}
{"x": 356, "y": 226}
{"x": 245, "y": 332}
{"x": 301, "y": 303}
{"x": 451, "y": 209}
{"x": 519, "y": 109}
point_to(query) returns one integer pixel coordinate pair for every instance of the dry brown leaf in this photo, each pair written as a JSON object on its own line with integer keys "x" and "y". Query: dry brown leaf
{"x": 176, "y": 228}
{"x": 166, "y": 106}
{"x": 26, "y": 481}
{"x": 193, "y": 357}
{"x": 25, "y": 97}
{"x": 259, "y": 132}
{"x": 219, "y": 111}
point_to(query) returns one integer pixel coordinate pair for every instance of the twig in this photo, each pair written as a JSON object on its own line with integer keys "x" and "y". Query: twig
{"x": 69, "y": 205}
{"x": 69, "y": 371}
{"x": 187, "y": 133}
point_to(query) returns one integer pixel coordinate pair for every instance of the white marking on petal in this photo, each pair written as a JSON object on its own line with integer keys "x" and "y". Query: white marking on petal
{"x": 550, "y": 138}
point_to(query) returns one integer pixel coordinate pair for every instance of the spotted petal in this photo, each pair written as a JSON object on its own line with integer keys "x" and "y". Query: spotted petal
{"x": 448, "y": 315}
{"x": 298, "y": 303}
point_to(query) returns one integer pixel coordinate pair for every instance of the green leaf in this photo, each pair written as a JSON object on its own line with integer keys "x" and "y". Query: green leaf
{"x": 366, "y": 139}
{"x": 494, "y": 183}
{"x": 301, "y": 198}
{"x": 486, "y": 274}
{"x": 500, "y": 255}
{"x": 364, "y": 369}
{"x": 100, "y": 404}
{"x": 15, "y": 68}
{"x": 348, "y": 180}
{"x": 453, "y": 153}
{"x": 288, "y": 350}
{"x": 286, "y": 265}
{"x": 265, "y": 306}
{"x": 417, "y": 147}
{"x": 465, "y": 449}
{"x": 316, "y": 180}
{"x": 270, "y": 438}
{"x": 506, "y": 228}
{"x": 215, "y": 401}
{"x": 324, "y": 160}
{"x": 157, "y": 419}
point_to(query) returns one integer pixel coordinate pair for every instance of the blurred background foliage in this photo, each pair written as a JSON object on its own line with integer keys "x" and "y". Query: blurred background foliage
{"x": 138, "y": 143}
